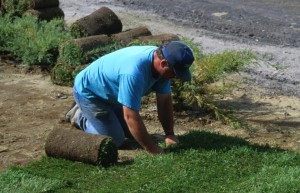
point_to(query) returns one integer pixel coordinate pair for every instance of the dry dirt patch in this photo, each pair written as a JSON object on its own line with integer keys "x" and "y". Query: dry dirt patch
{"x": 30, "y": 107}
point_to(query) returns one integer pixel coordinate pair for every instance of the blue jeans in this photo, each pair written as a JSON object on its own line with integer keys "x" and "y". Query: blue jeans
{"x": 100, "y": 118}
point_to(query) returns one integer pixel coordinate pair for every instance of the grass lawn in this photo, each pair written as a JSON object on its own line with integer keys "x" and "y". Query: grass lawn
{"x": 203, "y": 162}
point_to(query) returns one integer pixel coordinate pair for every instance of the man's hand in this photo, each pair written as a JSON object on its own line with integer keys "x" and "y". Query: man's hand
{"x": 138, "y": 130}
{"x": 171, "y": 140}
{"x": 155, "y": 151}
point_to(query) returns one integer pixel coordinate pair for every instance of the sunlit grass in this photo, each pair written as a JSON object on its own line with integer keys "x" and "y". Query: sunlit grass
{"x": 203, "y": 162}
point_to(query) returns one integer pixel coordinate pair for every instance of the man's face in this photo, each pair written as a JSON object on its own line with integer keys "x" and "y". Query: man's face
{"x": 168, "y": 71}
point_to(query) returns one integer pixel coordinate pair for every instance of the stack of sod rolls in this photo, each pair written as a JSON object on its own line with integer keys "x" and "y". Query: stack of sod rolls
{"x": 76, "y": 145}
{"x": 94, "y": 35}
{"x": 101, "y": 21}
{"x": 45, "y": 9}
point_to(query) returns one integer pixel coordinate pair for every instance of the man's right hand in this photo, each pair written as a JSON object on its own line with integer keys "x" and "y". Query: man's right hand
{"x": 139, "y": 132}
{"x": 155, "y": 151}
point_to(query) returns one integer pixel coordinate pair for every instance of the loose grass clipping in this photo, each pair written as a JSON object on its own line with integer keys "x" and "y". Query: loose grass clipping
{"x": 76, "y": 145}
{"x": 47, "y": 13}
{"x": 101, "y": 21}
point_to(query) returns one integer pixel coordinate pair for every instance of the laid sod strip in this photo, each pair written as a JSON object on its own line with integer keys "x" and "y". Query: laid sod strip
{"x": 127, "y": 36}
{"x": 163, "y": 38}
{"x": 47, "y": 13}
{"x": 203, "y": 162}
{"x": 101, "y": 21}
{"x": 18, "y": 181}
{"x": 76, "y": 145}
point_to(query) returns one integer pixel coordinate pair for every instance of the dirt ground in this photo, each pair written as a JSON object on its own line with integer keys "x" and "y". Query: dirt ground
{"x": 31, "y": 106}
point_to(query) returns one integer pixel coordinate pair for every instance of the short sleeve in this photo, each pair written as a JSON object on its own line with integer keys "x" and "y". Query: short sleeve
{"x": 130, "y": 91}
{"x": 162, "y": 86}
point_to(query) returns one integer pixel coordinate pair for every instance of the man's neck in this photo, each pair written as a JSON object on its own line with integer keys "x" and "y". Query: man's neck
{"x": 155, "y": 74}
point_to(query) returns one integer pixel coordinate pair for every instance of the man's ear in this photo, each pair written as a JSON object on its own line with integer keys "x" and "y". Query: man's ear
{"x": 164, "y": 63}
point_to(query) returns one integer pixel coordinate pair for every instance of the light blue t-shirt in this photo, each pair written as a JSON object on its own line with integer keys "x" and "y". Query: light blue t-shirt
{"x": 122, "y": 77}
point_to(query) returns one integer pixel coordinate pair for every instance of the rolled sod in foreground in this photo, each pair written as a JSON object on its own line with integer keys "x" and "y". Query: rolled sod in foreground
{"x": 127, "y": 36}
{"x": 47, "y": 13}
{"x": 101, "y": 21}
{"x": 76, "y": 145}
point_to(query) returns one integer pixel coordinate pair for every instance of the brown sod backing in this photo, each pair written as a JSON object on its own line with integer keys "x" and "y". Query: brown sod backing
{"x": 47, "y": 13}
{"x": 76, "y": 145}
{"x": 41, "y": 4}
{"x": 89, "y": 43}
{"x": 162, "y": 38}
{"x": 126, "y": 37}
{"x": 101, "y": 21}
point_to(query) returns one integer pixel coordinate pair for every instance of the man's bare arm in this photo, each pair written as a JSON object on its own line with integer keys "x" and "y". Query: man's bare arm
{"x": 165, "y": 115}
{"x": 139, "y": 132}
{"x": 165, "y": 112}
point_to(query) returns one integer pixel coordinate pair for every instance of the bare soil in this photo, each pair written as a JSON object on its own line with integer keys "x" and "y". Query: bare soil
{"x": 31, "y": 106}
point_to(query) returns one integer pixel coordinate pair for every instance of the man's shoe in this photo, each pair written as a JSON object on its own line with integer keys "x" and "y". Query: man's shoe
{"x": 70, "y": 113}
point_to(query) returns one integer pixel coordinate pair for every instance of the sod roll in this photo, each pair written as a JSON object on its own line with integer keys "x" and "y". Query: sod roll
{"x": 162, "y": 38}
{"x": 101, "y": 21}
{"x": 91, "y": 42}
{"x": 76, "y": 145}
{"x": 126, "y": 37}
{"x": 1, "y": 8}
{"x": 41, "y": 4}
{"x": 47, "y": 13}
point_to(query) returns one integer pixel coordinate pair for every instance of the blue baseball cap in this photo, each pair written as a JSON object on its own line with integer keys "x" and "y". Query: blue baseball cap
{"x": 181, "y": 57}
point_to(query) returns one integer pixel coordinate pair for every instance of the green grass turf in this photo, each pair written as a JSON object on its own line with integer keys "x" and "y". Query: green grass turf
{"x": 204, "y": 162}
